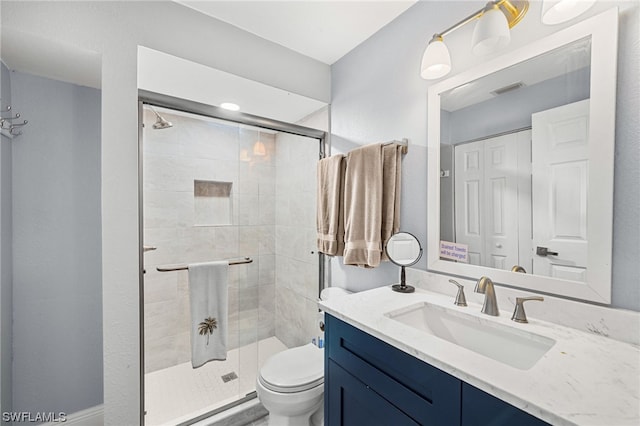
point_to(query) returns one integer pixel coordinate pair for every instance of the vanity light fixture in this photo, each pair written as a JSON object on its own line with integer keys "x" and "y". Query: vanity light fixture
{"x": 491, "y": 33}
{"x": 436, "y": 61}
{"x": 558, "y": 11}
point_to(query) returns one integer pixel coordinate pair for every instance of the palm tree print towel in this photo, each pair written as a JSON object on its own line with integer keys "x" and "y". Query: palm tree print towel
{"x": 208, "y": 293}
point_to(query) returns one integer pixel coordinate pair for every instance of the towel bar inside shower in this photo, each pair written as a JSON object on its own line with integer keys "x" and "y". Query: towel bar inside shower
{"x": 171, "y": 268}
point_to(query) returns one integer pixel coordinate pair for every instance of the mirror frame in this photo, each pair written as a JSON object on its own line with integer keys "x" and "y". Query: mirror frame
{"x": 603, "y": 30}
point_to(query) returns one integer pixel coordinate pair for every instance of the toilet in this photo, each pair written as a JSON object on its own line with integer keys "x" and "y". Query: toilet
{"x": 291, "y": 383}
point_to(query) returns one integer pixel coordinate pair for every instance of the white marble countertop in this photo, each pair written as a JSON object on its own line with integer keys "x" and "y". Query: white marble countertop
{"x": 583, "y": 379}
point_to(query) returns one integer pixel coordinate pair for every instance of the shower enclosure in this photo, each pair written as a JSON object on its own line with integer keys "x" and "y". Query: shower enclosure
{"x": 214, "y": 189}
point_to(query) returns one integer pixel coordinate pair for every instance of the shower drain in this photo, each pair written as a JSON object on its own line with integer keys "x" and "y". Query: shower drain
{"x": 229, "y": 377}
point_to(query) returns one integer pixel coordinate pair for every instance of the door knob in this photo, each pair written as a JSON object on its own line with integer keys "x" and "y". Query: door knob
{"x": 543, "y": 251}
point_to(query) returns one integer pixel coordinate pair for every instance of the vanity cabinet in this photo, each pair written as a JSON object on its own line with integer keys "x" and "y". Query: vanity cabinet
{"x": 369, "y": 382}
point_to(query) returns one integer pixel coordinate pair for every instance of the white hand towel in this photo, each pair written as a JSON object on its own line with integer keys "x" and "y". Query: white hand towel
{"x": 208, "y": 293}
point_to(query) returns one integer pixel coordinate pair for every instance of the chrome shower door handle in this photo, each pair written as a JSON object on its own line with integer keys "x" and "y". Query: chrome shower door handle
{"x": 544, "y": 251}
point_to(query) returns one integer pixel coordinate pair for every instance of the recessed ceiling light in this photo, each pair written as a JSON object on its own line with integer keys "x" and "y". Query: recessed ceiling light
{"x": 230, "y": 106}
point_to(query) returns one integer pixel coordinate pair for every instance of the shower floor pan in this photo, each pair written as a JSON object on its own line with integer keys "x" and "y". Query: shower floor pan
{"x": 180, "y": 393}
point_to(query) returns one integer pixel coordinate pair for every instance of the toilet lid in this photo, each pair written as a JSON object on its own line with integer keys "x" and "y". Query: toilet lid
{"x": 294, "y": 370}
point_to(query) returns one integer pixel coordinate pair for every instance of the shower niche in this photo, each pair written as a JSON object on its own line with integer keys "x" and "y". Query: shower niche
{"x": 212, "y": 203}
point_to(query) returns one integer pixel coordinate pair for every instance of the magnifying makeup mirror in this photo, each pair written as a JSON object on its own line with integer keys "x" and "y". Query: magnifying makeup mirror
{"x": 403, "y": 249}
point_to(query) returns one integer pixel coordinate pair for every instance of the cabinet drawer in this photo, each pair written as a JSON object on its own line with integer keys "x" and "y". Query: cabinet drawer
{"x": 428, "y": 395}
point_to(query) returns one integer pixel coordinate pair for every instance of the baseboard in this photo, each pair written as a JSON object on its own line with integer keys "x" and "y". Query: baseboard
{"x": 92, "y": 416}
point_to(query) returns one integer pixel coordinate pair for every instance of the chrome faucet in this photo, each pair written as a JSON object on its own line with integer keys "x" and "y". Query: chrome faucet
{"x": 518, "y": 313}
{"x": 490, "y": 305}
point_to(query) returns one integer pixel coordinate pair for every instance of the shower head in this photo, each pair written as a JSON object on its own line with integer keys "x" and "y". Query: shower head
{"x": 160, "y": 123}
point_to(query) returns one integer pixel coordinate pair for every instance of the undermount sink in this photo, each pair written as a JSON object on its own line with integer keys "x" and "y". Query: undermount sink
{"x": 511, "y": 346}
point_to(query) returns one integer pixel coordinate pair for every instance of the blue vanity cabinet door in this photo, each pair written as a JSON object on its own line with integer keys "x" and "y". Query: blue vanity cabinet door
{"x": 355, "y": 404}
{"x": 425, "y": 394}
{"x": 481, "y": 409}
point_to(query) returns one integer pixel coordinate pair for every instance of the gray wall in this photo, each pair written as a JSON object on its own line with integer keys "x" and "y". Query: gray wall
{"x": 5, "y": 252}
{"x": 377, "y": 94}
{"x": 57, "y": 298}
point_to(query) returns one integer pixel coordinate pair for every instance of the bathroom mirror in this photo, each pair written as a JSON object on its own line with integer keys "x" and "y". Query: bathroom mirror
{"x": 403, "y": 249}
{"x": 520, "y": 165}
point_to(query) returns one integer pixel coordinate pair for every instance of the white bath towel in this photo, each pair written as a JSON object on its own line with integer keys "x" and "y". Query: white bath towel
{"x": 208, "y": 292}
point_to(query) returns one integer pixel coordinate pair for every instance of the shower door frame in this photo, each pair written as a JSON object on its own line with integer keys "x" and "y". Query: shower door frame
{"x": 146, "y": 97}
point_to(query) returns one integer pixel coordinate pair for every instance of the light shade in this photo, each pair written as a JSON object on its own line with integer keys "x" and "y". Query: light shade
{"x": 558, "y": 11}
{"x": 259, "y": 149}
{"x": 436, "y": 61}
{"x": 491, "y": 32}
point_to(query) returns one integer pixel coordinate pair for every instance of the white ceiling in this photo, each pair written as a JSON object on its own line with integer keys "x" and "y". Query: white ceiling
{"x": 564, "y": 60}
{"x": 324, "y": 30}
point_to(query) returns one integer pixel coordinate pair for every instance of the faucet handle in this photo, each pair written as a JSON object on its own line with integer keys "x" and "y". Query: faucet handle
{"x": 460, "y": 299}
{"x": 518, "y": 313}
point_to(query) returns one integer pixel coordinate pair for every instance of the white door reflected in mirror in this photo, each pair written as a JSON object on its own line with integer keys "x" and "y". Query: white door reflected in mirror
{"x": 403, "y": 249}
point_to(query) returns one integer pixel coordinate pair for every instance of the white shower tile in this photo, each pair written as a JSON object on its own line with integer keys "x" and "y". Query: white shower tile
{"x": 248, "y": 178}
{"x": 249, "y": 243}
{"x": 267, "y": 239}
{"x": 182, "y": 344}
{"x": 267, "y": 301}
{"x": 166, "y": 174}
{"x": 168, "y": 248}
{"x": 160, "y": 142}
{"x": 159, "y": 354}
{"x": 248, "y": 213}
{"x": 267, "y": 269}
{"x": 160, "y": 320}
{"x": 292, "y": 316}
{"x": 226, "y": 242}
{"x": 267, "y": 203}
{"x": 160, "y": 287}
{"x": 159, "y": 209}
{"x": 184, "y": 209}
{"x": 283, "y": 212}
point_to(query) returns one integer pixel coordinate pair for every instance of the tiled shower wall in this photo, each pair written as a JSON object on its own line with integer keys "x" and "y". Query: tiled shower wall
{"x": 296, "y": 288}
{"x": 196, "y": 149}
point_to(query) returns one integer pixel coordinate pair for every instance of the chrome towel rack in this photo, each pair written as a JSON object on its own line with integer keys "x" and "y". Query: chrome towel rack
{"x": 181, "y": 267}
{"x": 404, "y": 143}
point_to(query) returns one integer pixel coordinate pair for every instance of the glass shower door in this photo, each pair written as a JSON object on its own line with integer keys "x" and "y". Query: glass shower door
{"x": 192, "y": 194}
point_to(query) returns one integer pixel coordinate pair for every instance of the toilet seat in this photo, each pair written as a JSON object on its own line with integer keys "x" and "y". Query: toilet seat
{"x": 294, "y": 370}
